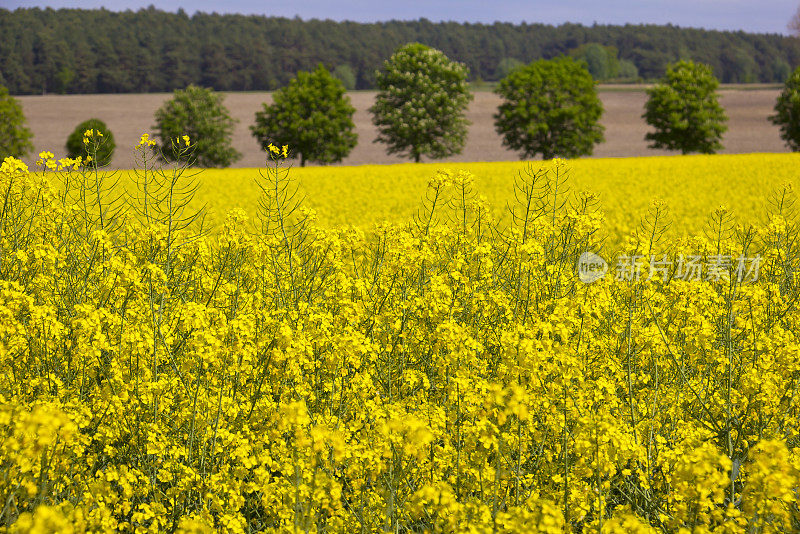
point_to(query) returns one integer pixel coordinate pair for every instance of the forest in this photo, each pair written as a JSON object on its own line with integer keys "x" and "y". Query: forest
{"x": 99, "y": 51}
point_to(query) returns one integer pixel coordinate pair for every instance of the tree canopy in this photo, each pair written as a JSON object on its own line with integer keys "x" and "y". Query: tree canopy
{"x": 15, "y": 137}
{"x": 787, "y": 111}
{"x": 102, "y": 149}
{"x": 51, "y": 51}
{"x": 550, "y": 107}
{"x": 684, "y": 110}
{"x": 196, "y": 118}
{"x": 421, "y": 101}
{"x": 312, "y": 115}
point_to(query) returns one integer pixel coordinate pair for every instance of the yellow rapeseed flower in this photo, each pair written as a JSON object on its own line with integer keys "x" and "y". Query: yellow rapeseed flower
{"x": 145, "y": 141}
{"x": 444, "y": 373}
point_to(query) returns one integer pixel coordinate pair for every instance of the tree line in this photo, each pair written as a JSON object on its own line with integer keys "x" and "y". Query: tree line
{"x": 549, "y": 107}
{"x": 149, "y": 50}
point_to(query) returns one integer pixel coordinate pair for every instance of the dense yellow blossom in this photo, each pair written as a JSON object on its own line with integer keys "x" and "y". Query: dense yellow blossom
{"x": 690, "y": 187}
{"x": 450, "y": 372}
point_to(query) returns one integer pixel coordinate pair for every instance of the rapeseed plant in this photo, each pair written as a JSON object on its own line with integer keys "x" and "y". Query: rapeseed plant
{"x": 447, "y": 374}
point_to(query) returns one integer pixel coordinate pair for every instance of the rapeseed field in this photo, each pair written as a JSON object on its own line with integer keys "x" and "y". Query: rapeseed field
{"x": 690, "y": 186}
{"x": 435, "y": 366}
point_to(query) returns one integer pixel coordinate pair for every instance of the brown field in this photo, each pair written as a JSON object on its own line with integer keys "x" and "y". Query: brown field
{"x": 53, "y": 117}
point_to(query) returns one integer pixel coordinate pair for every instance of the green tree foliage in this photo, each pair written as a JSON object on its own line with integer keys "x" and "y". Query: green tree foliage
{"x": 312, "y": 115}
{"x": 14, "y": 136}
{"x": 780, "y": 69}
{"x": 601, "y": 60}
{"x": 787, "y": 111}
{"x": 199, "y": 113}
{"x": 627, "y": 71}
{"x": 47, "y": 50}
{"x": 550, "y": 107}
{"x": 105, "y": 146}
{"x": 420, "y": 105}
{"x": 344, "y": 73}
{"x": 506, "y": 65}
{"x": 684, "y": 110}
{"x": 738, "y": 66}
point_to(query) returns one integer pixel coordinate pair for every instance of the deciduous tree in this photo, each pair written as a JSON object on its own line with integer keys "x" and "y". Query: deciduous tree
{"x": 105, "y": 142}
{"x": 787, "y": 111}
{"x": 198, "y": 113}
{"x": 550, "y": 107}
{"x": 684, "y": 110}
{"x": 312, "y": 115}
{"x": 14, "y": 136}
{"x": 420, "y": 105}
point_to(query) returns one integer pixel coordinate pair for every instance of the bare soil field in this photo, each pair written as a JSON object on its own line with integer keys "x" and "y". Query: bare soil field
{"x": 53, "y": 117}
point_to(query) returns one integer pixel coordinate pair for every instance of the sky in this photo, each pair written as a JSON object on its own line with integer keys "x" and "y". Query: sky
{"x": 758, "y": 16}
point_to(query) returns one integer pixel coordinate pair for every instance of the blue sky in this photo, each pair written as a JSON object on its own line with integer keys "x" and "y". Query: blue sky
{"x": 762, "y": 16}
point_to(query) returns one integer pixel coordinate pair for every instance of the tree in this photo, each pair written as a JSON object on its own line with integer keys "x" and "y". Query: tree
{"x": 312, "y": 115}
{"x": 344, "y": 73}
{"x": 420, "y": 105}
{"x": 14, "y": 136}
{"x": 505, "y": 66}
{"x": 105, "y": 144}
{"x": 627, "y": 70}
{"x": 684, "y": 110}
{"x": 780, "y": 70}
{"x": 550, "y": 107}
{"x": 198, "y": 113}
{"x": 601, "y": 60}
{"x": 787, "y": 111}
{"x": 738, "y": 66}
